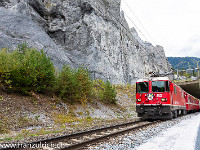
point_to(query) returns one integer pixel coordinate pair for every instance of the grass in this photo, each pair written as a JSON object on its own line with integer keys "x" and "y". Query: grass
{"x": 27, "y": 133}
{"x": 71, "y": 119}
{"x": 85, "y": 122}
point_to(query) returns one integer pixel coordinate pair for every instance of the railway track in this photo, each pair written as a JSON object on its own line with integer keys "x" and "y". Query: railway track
{"x": 82, "y": 139}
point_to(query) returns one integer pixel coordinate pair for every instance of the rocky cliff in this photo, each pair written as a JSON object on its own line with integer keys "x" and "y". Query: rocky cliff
{"x": 81, "y": 32}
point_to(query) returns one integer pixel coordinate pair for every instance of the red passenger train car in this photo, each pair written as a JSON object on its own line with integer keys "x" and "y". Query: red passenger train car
{"x": 159, "y": 98}
{"x": 192, "y": 103}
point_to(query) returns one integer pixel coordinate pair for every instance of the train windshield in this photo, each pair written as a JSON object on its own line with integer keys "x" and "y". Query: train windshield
{"x": 143, "y": 87}
{"x": 158, "y": 86}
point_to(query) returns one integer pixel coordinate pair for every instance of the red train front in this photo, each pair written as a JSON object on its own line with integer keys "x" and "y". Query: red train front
{"x": 159, "y": 98}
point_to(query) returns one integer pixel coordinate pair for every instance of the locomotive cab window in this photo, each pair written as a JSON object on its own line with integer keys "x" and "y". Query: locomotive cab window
{"x": 158, "y": 86}
{"x": 142, "y": 87}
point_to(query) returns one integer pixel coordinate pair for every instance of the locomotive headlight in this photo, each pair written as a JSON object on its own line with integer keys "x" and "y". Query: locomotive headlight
{"x": 163, "y": 99}
{"x": 139, "y": 100}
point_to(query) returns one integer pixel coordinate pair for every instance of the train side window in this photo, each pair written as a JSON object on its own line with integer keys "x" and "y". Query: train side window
{"x": 167, "y": 86}
{"x": 175, "y": 92}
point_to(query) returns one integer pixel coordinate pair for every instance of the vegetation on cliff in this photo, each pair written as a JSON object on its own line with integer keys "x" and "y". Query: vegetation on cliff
{"x": 26, "y": 70}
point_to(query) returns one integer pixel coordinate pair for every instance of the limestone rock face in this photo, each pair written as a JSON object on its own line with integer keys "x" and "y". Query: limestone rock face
{"x": 81, "y": 32}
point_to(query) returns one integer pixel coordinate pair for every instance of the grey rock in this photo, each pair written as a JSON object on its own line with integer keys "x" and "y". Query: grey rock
{"x": 81, "y": 32}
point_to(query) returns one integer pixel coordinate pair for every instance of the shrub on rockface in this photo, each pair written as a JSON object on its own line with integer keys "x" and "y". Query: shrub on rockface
{"x": 98, "y": 87}
{"x": 109, "y": 93}
{"x": 6, "y": 63}
{"x": 26, "y": 69}
{"x": 74, "y": 85}
{"x": 104, "y": 91}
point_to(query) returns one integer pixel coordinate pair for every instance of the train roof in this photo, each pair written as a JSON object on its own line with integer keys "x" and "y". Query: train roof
{"x": 153, "y": 79}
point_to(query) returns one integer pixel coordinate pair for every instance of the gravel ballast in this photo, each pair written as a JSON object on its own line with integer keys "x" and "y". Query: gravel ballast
{"x": 134, "y": 139}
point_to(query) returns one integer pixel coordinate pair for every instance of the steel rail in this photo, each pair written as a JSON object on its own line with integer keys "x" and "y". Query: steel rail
{"x": 103, "y": 137}
{"x": 59, "y": 138}
{"x": 79, "y": 145}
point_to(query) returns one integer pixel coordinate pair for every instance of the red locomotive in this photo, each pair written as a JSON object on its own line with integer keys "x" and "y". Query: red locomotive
{"x": 159, "y": 98}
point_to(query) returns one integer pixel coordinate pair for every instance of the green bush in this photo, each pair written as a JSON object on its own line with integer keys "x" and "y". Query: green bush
{"x": 109, "y": 93}
{"x": 104, "y": 91}
{"x": 98, "y": 87}
{"x": 6, "y": 63}
{"x": 74, "y": 85}
{"x": 25, "y": 70}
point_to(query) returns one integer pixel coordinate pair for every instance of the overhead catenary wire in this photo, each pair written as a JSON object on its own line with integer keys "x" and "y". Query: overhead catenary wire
{"x": 128, "y": 31}
{"x": 134, "y": 23}
{"x": 136, "y": 26}
{"x": 139, "y": 22}
{"x": 131, "y": 34}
